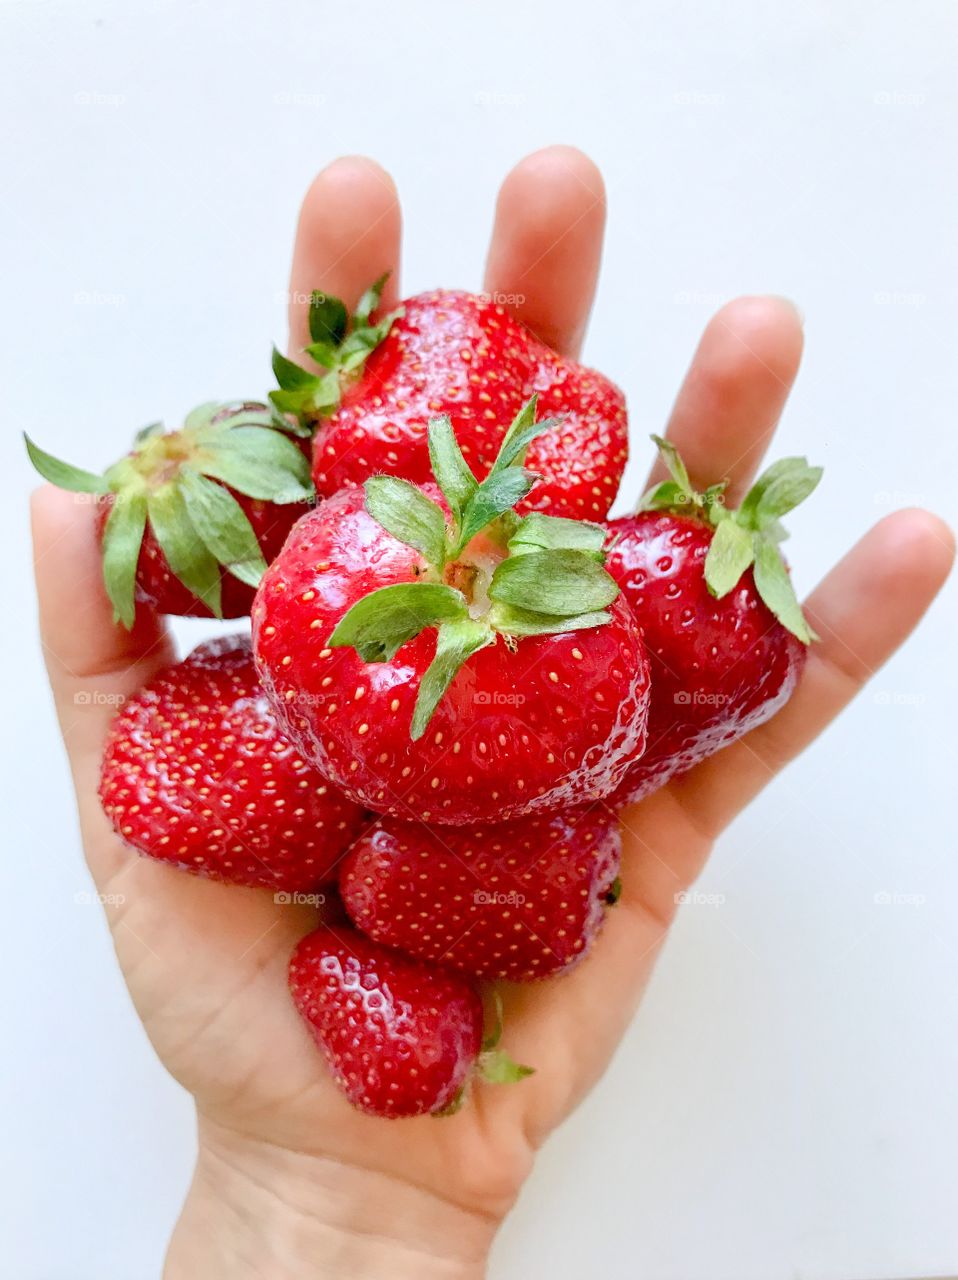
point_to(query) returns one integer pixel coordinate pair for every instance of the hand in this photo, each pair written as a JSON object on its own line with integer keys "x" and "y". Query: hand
{"x": 290, "y": 1179}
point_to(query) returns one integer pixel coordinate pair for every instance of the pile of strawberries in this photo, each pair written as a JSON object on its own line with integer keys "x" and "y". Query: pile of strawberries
{"x": 459, "y": 671}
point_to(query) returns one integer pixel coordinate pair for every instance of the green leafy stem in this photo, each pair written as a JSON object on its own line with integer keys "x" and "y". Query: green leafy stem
{"x": 746, "y": 537}
{"x": 549, "y": 576}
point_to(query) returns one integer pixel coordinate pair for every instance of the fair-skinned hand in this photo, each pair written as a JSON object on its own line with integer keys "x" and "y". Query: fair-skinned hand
{"x": 291, "y": 1181}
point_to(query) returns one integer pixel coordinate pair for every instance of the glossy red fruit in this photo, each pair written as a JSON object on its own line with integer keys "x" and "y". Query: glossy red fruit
{"x": 722, "y": 662}
{"x": 516, "y": 901}
{"x": 188, "y": 520}
{"x": 465, "y": 355}
{"x": 401, "y": 1038}
{"x": 542, "y": 723}
{"x": 196, "y": 774}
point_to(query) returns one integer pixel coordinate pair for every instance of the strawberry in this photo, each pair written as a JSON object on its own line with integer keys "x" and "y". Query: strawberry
{"x": 516, "y": 901}
{"x": 189, "y": 519}
{"x": 443, "y": 660}
{"x": 401, "y": 1038}
{"x": 465, "y": 355}
{"x": 726, "y": 636}
{"x": 196, "y": 774}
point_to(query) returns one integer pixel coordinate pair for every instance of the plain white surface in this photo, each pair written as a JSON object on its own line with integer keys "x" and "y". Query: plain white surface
{"x": 784, "y": 1105}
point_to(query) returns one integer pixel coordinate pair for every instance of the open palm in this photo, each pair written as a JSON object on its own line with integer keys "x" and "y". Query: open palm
{"x": 206, "y": 964}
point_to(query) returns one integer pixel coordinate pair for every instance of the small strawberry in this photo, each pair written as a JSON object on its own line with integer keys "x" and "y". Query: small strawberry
{"x": 726, "y": 636}
{"x": 196, "y": 774}
{"x": 189, "y": 519}
{"x": 443, "y": 660}
{"x": 464, "y": 355}
{"x": 517, "y": 901}
{"x": 401, "y": 1038}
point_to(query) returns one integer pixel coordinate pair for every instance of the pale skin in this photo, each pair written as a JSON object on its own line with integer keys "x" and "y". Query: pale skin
{"x": 290, "y": 1180}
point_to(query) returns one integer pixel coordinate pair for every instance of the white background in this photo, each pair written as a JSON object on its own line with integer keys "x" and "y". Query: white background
{"x": 784, "y": 1106}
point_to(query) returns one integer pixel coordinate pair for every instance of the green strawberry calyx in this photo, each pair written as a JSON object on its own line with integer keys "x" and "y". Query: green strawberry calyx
{"x": 747, "y": 536}
{"x": 487, "y": 572}
{"x": 493, "y": 1065}
{"x": 180, "y": 482}
{"x": 339, "y": 344}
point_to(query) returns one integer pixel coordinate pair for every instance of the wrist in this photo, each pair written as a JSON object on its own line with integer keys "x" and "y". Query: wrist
{"x": 257, "y": 1210}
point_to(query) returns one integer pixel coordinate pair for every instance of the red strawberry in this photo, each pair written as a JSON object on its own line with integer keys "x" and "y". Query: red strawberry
{"x": 532, "y": 694}
{"x": 190, "y": 518}
{"x": 196, "y": 774}
{"x": 517, "y": 901}
{"x": 726, "y": 636}
{"x": 461, "y": 354}
{"x": 401, "y": 1038}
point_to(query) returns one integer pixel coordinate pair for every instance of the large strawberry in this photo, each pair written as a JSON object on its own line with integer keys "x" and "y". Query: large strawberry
{"x": 189, "y": 519}
{"x": 196, "y": 774}
{"x": 402, "y": 1038}
{"x": 465, "y": 355}
{"x": 726, "y": 636}
{"x": 516, "y": 901}
{"x": 440, "y": 658}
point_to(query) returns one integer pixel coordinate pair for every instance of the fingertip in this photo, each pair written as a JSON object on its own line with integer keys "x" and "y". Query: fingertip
{"x": 556, "y": 170}
{"x": 547, "y": 243}
{"x": 80, "y": 639}
{"x": 356, "y": 180}
{"x": 915, "y": 543}
{"x": 762, "y": 334}
{"x": 348, "y": 234}
{"x": 55, "y": 513}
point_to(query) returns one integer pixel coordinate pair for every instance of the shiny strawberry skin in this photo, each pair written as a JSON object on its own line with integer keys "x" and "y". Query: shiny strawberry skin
{"x": 461, "y": 354}
{"x": 719, "y": 667}
{"x": 160, "y": 590}
{"x": 517, "y": 901}
{"x": 400, "y": 1037}
{"x": 546, "y": 727}
{"x": 196, "y": 774}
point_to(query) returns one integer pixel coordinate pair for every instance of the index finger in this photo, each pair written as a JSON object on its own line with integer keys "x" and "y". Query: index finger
{"x": 349, "y": 233}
